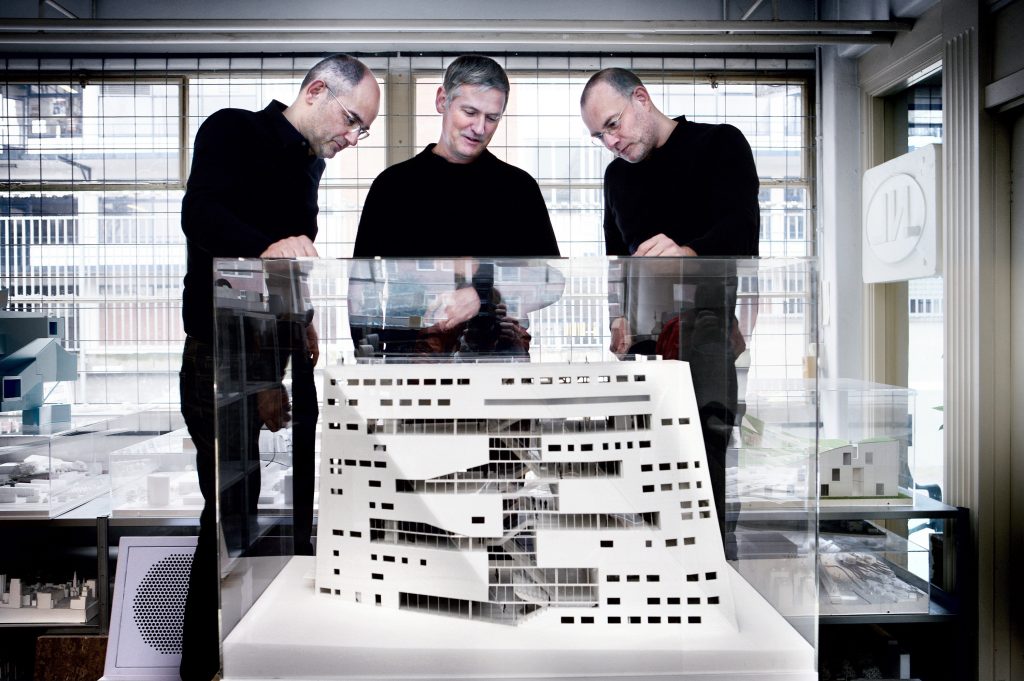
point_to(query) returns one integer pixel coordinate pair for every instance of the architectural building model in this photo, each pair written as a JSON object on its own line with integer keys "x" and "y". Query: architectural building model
{"x": 40, "y": 484}
{"x": 856, "y": 582}
{"x": 866, "y": 471}
{"x": 73, "y": 601}
{"x": 869, "y": 468}
{"x": 31, "y": 354}
{"x": 520, "y": 493}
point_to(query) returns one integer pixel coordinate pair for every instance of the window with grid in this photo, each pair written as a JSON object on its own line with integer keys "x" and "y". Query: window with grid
{"x": 542, "y": 133}
{"x": 92, "y": 173}
{"x": 93, "y": 166}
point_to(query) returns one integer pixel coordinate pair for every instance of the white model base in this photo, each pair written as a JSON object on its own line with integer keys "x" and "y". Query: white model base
{"x": 293, "y": 632}
{"x": 38, "y": 616}
{"x": 905, "y": 499}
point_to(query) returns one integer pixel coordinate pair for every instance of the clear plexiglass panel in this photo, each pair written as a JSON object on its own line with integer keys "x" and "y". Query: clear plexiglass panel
{"x": 50, "y": 470}
{"x": 550, "y": 447}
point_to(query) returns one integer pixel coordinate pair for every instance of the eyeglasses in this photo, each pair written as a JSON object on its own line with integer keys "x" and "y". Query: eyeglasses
{"x": 354, "y": 123}
{"x": 611, "y": 128}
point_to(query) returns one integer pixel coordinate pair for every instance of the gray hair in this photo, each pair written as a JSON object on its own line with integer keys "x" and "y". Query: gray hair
{"x": 474, "y": 69}
{"x": 622, "y": 81}
{"x": 340, "y": 71}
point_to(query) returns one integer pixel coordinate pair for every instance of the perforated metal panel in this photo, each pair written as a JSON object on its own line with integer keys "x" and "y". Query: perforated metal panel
{"x": 159, "y": 603}
{"x": 148, "y": 605}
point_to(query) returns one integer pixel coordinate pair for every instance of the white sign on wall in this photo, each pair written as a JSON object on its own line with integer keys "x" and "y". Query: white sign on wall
{"x": 901, "y": 217}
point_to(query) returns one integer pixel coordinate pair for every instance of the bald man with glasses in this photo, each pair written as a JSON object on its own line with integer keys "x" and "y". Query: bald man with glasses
{"x": 252, "y": 193}
{"x": 683, "y": 189}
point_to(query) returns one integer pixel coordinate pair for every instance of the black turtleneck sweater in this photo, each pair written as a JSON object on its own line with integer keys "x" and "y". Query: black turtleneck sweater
{"x": 699, "y": 189}
{"x": 427, "y": 207}
{"x": 253, "y": 182}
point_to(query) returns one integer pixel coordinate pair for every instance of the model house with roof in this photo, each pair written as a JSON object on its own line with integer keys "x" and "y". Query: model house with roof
{"x": 512, "y": 493}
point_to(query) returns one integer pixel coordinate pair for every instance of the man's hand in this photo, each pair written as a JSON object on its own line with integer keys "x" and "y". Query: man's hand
{"x": 508, "y": 327}
{"x": 291, "y": 247}
{"x": 659, "y": 244}
{"x": 312, "y": 343}
{"x": 621, "y": 338}
{"x": 273, "y": 408}
{"x": 455, "y": 307}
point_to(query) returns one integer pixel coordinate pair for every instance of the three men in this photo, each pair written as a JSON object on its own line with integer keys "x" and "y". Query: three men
{"x": 677, "y": 188}
{"x": 252, "y": 192}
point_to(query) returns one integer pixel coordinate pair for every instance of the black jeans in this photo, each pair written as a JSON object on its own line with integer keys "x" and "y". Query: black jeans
{"x": 239, "y": 428}
{"x": 200, "y": 634}
{"x": 294, "y": 346}
{"x": 238, "y": 425}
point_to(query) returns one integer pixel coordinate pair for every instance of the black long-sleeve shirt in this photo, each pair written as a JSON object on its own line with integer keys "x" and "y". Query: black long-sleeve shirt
{"x": 428, "y": 207}
{"x": 699, "y": 189}
{"x": 253, "y": 182}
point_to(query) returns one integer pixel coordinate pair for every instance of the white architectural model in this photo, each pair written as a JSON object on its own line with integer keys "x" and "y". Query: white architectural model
{"x": 73, "y": 601}
{"x": 521, "y": 493}
{"x": 867, "y": 469}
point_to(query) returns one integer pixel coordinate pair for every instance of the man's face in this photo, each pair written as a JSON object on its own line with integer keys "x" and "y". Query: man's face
{"x": 338, "y": 116}
{"x": 623, "y": 124}
{"x": 468, "y": 122}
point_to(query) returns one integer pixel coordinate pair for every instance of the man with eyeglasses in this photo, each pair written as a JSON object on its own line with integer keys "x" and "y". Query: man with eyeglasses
{"x": 678, "y": 188}
{"x": 252, "y": 192}
{"x": 455, "y": 198}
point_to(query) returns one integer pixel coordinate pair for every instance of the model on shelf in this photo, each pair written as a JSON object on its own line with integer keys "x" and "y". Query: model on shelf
{"x": 73, "y": 601}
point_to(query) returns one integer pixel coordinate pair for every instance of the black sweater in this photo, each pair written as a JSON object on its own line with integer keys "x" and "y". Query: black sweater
{"x": 253, "y": 182}
{"x": 427, "y": 207}
{"x": 699, "y": 189}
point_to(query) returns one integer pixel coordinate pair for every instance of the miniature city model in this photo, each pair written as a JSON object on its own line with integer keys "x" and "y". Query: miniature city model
{"x": 522, "y": 494}
{"x": 865, "y": 470}
{"x": 70, "y": 602}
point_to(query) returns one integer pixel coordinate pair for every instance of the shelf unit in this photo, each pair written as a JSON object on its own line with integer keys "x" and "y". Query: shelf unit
{"x": 930, "y": 643}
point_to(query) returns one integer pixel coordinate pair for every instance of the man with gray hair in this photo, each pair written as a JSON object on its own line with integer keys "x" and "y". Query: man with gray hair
{"x": 455, "y": 198}
{"x": 252, "y": 193}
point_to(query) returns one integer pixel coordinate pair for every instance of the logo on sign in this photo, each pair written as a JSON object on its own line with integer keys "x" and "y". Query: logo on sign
{"x": 896, "y": 218}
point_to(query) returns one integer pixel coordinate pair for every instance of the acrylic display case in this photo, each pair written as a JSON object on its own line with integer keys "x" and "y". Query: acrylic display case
{"x": 46, "y": 471}
{"x": 865, "y": 446}
{"x": 862, "y": 432}
{"x": 157, "y": 478}
{"x": 526, "y": 468}
{"x": 865, "y": 568}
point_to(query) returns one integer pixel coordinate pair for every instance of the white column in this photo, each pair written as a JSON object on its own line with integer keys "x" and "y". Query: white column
{"x": 839, "y": 244}
{"x": 976, "y": 262}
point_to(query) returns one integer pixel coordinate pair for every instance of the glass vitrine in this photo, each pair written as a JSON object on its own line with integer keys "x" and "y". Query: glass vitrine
{"x": 525, "y": 468}
{"x": 46, "y": 471}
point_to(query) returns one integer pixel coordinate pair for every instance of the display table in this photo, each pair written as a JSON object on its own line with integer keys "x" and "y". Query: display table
{"x": 294, "y": 632}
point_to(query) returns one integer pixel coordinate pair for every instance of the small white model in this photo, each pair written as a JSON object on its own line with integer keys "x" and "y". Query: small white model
{"x": 867, "y": 469}
{"x": 520, "y": 493}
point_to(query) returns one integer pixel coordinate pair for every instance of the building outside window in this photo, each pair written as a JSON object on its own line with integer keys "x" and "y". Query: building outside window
{"x": 93, "y": 170}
